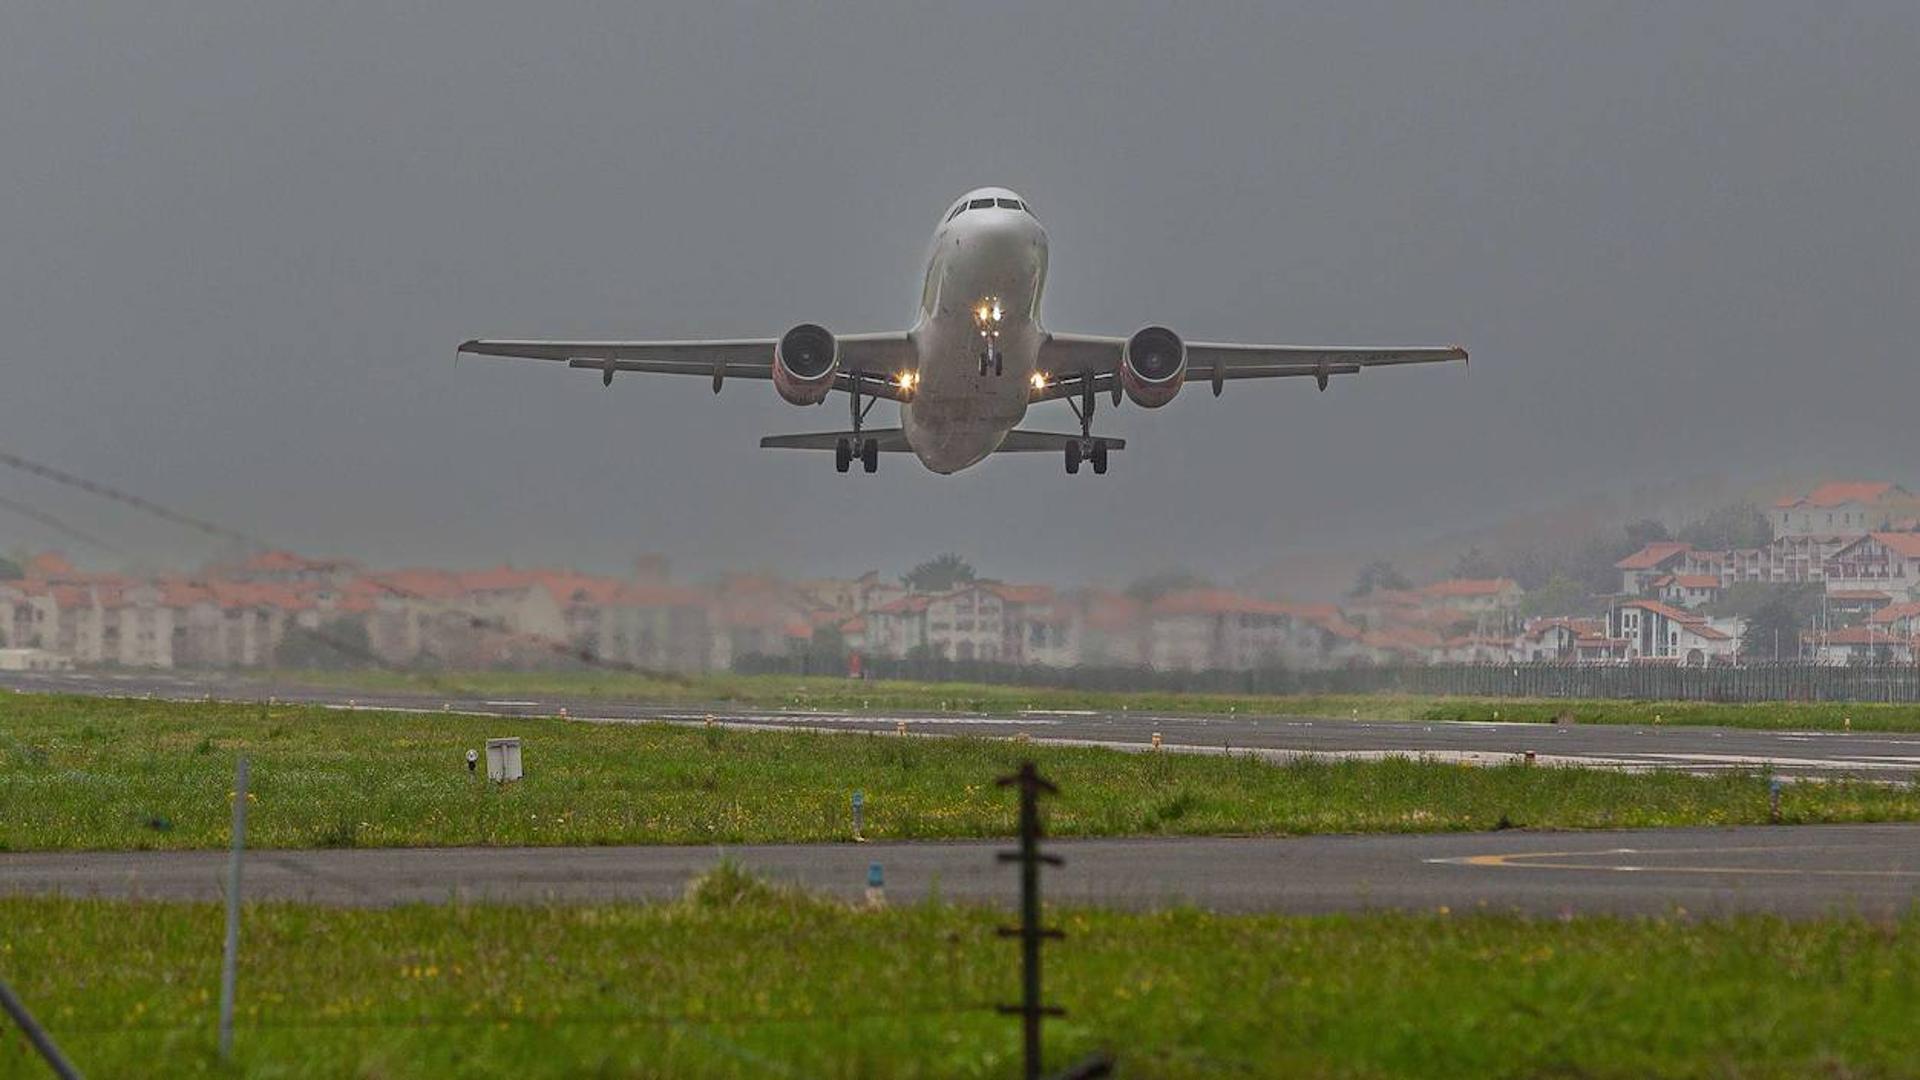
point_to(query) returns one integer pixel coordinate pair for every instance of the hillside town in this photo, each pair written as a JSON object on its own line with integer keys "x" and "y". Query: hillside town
{"x": 1833, "y": 576}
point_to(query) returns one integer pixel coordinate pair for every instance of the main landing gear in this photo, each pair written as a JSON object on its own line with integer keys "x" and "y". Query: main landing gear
{"x": 1088, "y": 448}
{"x": 869, "y": 455}
{"x": 1094, "y": 451}
{"x": 867, "y": 450}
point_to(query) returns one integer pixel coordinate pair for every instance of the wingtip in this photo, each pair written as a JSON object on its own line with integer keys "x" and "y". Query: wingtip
{"x": 1461, "y": 352}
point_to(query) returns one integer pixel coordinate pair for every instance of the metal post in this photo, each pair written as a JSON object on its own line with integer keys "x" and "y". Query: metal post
{"x": 36, "y": 1035}
{"x": 230, "y": 958}
{"x": 1030, "y": 932}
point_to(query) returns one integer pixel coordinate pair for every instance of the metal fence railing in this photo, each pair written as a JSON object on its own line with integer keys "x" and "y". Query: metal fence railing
{"x": 1783, "y": 681}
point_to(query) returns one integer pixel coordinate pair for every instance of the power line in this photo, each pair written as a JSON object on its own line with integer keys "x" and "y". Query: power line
{"x": 561, "y": 649}
{"x": 71, "y": 532}
{"x": 59, "y": 476}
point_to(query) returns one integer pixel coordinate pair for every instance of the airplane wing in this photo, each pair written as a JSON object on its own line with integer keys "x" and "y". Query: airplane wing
{"x": 894, "y": 441}
{"x": 868, "y": 360}
{"x": 1066, "y": 358}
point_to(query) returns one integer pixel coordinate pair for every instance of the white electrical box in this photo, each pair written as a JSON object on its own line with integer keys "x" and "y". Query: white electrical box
{"x": 503, "y": 759}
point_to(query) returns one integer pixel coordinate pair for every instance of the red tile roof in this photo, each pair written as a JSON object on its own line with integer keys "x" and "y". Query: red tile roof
{"x": 1835, "y": 493}
{"x": 1893, "y": 613}
{"x": 1863, "y": 635}
{"x": 1653, "y": 555}
{"x": 1470, "y": 587}
{"x": 48, "y": 564}
{"x": 1022, "y": 594}
{"x": 1905, "y": 545}
{"x": 1215, "y": 602}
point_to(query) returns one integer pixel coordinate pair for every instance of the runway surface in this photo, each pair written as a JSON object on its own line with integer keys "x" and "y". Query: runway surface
{"x": 1794, "y": 754}
{"x": 1871, "y": 870}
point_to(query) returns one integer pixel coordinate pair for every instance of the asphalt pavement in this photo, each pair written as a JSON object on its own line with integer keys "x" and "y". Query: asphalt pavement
{"x": 1793, "y": 754}
{"x": 1870, "y": 870}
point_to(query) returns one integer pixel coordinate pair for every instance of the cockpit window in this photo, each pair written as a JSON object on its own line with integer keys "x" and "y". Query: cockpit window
{"x": 956, "y": 211}
{"x": 1009, "y": 204}
{"x": 980, "y": 204}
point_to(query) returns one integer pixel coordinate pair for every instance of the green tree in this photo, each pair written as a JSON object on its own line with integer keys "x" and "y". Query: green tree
{"x": 1735, "y": 525}
{"x": 333, "y": 646}
{"x": 1156, "y": 585}
{"x": 1474, "y": 563}
{"x": 827, "y": 649}
{"x": 1378, "y": 574}
{"x": 1561, "y": 595}
{"x": 1772, "y": 632}
{"x": 10, "y": 570}
{"x": 938, "y": 574}
{"x": 1647, "y": 531}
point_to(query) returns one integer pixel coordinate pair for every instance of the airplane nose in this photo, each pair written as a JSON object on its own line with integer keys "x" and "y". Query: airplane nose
{"x": 1007, "y": 232}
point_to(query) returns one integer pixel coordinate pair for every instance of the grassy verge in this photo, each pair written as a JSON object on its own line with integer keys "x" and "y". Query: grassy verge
{"x": 88, "y": 773}
{"x": 842, "y": 695}
{"x": 743, "y": 980}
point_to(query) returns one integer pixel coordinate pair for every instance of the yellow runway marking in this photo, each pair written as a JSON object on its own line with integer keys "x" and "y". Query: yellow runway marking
{"x": 1537, "y": 860}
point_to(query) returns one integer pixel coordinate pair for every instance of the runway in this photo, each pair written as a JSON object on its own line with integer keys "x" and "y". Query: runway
{"x": 1870, "y": 870}
{"x": 1793, "y": 754}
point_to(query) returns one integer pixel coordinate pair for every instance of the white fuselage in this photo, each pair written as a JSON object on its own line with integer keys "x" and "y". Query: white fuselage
{"x": 985, "y": 274}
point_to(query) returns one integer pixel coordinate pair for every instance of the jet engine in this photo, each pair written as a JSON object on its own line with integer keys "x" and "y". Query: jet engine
{"x": 804, "y": 361}
{"x": 1152, "y": 366}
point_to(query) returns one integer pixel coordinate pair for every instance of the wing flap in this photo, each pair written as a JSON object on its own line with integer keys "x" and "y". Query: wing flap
{"x": 891, "y": 440}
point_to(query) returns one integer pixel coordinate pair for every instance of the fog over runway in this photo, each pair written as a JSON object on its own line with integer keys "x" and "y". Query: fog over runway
{"x": 1792, "y": 754}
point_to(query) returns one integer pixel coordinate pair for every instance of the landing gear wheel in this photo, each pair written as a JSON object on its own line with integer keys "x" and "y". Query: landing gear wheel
{"x": 998, "y": 363}
{"x": 1100, "y": 458}
{"x": 1073, "y": 459}
{"x": 842, "y": 455}
{"x": 870, "y": 455}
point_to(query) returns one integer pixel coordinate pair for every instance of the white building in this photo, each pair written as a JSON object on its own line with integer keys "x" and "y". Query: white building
{"x": 1841, "y": 508}
{"x": 1657, "y": 631}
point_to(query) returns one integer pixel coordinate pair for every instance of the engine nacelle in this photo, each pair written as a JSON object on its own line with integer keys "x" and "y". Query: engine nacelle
{"x": 1153, "y": 366}
{"x": 804, "y": 363}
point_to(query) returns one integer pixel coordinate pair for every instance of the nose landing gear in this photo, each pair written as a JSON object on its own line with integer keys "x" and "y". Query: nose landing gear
{"x": 986, "y": 319}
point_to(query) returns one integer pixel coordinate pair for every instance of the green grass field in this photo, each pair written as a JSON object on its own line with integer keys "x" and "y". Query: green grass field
{"x": 741, "y": 980}
{"x": 843, "y": 695}
{"x": 91, "y": 773}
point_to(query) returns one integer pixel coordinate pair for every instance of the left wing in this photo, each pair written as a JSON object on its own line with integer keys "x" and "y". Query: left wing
{"x": 1065, "y": 358}
{"x": 868, "y": 360}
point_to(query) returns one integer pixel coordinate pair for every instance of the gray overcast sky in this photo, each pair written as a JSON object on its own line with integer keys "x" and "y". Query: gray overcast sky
{"x": 239, "y": 242}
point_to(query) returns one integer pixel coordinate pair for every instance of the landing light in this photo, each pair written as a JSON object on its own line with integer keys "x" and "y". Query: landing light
{"x": 1039, "y": 380}
{"x": 906, "y": 380}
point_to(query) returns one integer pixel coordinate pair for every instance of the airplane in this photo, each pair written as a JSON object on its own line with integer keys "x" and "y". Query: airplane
{"x": 975, "y": 360}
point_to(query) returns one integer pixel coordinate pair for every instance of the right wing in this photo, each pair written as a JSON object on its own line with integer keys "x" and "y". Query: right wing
{"x": 1065, "y": 358}
{"x": 871, "y": 360}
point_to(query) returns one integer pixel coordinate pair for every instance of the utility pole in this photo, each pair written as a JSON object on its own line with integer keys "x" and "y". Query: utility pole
{"x": 230, "y": 955}
{"x": 1030, "y": 932}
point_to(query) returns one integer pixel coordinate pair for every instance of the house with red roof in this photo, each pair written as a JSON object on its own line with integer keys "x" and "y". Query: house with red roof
{"x": 1219, "y": 629}
{"x": 1657, "y": 560}
{"x": 1657, "y": 631}
{"x": 1687, "y": 590}
{"x": 1887, "y": 562}
{"x": 1842, "y": 508}
{"x": 1866, "y": 644}
{"x": 1475, "y": 596}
